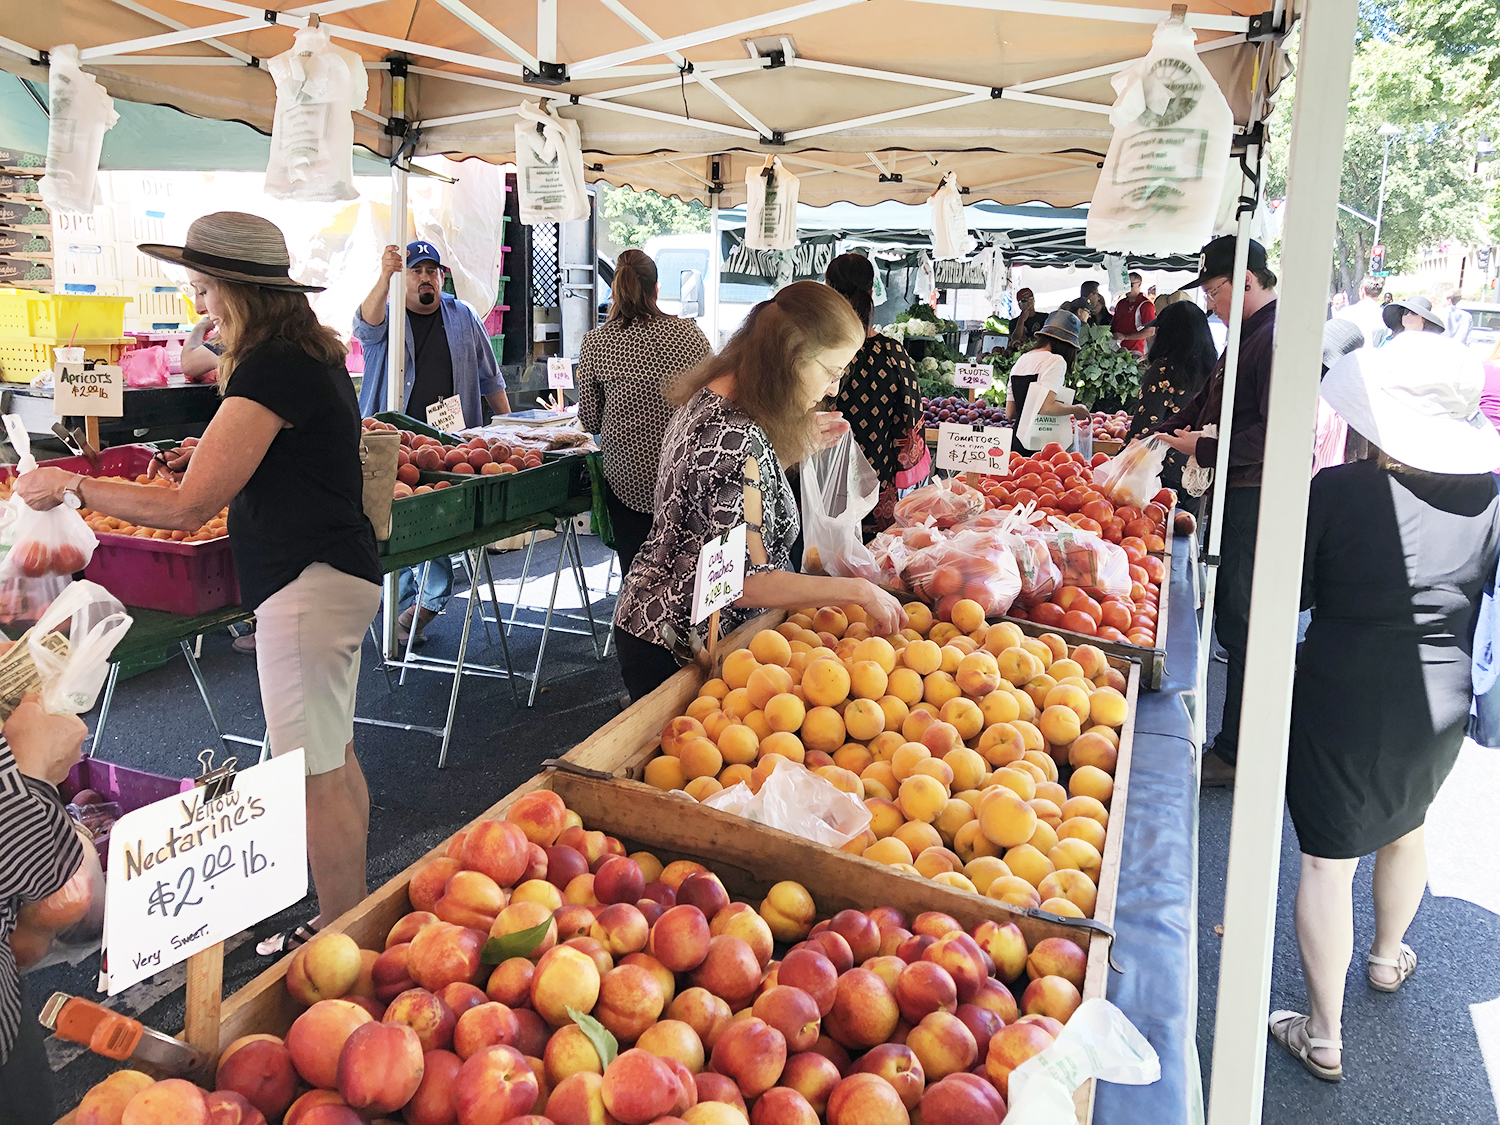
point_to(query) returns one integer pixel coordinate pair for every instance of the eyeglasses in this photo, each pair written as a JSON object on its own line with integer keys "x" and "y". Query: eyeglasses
{"x": 1218, "y": 291}
{"x": 835, "y": 374}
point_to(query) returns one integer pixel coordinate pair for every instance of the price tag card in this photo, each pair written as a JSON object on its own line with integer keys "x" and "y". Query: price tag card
{"x": 976, "y": 376}
{"x": 186, "y": 873}
{"x": 967, "y": 450}
{"x": 721, "y": 573}
{"x": 559, "y": 373}
{"x": 446, "y": 414}
{"x": 98, "y": 392}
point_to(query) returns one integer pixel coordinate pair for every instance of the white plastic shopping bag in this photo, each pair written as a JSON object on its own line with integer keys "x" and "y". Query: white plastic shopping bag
{"x": 318, "y": 88}
{"x": 770, "y": 207}
{"x": 1164, "y": 173}
{"x": 949, "y": 234}
{"x": 839, "y": 489}
{"x": 796, "y": 800}
{"x": 51, "y": 542}
{"x": 80, "y": 112}
{"x": 549, "y": 167}
{"x": 465, "y": 220}
{"x": 1098, "y": 1042}
{"x": 95, "y": 622}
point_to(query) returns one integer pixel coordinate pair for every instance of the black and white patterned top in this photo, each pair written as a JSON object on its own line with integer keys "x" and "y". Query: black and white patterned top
{"x": 700, "y": 494}
{"x": 39, "y": 852}
{"x": 620, "y": 375}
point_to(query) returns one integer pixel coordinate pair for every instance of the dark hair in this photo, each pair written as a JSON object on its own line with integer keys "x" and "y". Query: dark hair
{"x": 766, "y": 356}
{"x": 1266, "y": 278}
{"x": 633, "y": 290}
{"x": 1184, "y": 343}
{"x": 1133, "y": 276}
{"x": 1087, "y": 289}
{"x": 256, "y": 314}
{"x": 853, "y": 275}
{"x": 1068, "y": 351}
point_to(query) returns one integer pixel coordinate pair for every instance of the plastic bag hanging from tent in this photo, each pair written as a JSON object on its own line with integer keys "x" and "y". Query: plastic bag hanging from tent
{"x": 999, "y": 290}
{"x": 81, "y": 112}
{"x": 465, "y": 220}
{"x": 949, "y": 234}
{"x": 1119, "y": 274}
{"x": 318, "y": 88}
{"x": 1162, "y": 179}
{"x": 549, "y": 167}
{"x": 770, "y": 207}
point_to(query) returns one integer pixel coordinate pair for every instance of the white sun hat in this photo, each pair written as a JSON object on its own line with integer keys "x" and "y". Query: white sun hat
{"x": 1417, "y": 398}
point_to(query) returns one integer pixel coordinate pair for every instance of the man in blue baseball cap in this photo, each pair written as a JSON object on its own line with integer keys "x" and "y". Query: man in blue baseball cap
{"x": 447, "y": 353}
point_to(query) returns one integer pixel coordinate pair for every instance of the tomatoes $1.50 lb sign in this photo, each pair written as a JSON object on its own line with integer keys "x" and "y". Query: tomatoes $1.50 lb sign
{"x": 187, "y": 872}
{"x": 964, "y": 449}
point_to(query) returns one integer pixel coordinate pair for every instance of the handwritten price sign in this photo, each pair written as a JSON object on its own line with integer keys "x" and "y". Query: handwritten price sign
{"x": 976, "y": 376}
{"x": 559, "y": 373}
{"x": 186, "y": 873}
{"x": 967, "y": 450}
{"x": 98, "y": 392}
{"x": 447, "y": 414}
{"x": 721, "y": 574}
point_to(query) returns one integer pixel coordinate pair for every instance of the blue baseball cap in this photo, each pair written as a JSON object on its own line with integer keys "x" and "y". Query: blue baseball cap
{"x": 421, "y": 252}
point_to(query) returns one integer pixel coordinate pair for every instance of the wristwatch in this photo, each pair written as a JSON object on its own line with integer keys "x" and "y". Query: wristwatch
{"x": 73, "y": 494}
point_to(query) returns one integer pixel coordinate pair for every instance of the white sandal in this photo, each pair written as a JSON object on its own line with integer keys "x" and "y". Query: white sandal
{"x": 1285, "y": 1024}
{"x": 1405, "y": 964}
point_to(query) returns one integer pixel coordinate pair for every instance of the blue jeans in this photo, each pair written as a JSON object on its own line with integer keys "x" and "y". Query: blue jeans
{"x": 435, "y": 591}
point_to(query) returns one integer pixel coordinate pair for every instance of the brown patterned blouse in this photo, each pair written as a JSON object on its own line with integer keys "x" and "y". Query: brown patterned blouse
{"x": 880, "y": 400}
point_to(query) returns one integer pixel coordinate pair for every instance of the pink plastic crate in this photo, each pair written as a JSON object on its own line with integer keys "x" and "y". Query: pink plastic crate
{"x": 182, "y": 578}
{"x": 132, "y": 789}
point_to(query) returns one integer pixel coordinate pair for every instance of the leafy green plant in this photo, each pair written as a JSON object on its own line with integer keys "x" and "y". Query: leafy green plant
{"x": 1104, "y": 371}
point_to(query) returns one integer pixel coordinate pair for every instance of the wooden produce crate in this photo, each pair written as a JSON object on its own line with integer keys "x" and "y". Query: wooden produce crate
{"x": 1152, "y": 661}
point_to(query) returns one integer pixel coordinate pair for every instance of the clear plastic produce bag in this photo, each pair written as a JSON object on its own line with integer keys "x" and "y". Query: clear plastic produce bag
{"x": 81, "y": 112}
{"x": 54, "y": 542}
{"x": 796, "y": 800}
{"x": 319, "y": 85}
{"x": 972, "y": 564}
{"x": 839, "y": 489}
{"x": 1088, "y": 560}
{"x": 942, "y": 503}
{"x": 1040, "y": 576}
{"x": 1134, "y": 476}
{"x": 95, "y": 623}
{"x": 1098, "y": 1042}
{"x": 68, "y": 924}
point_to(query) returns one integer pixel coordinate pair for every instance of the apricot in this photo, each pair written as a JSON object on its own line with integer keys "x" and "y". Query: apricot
{"x": 921, "y": 798}
{"x": 863, "y": 719}
{"x": 967, "y": 615}
{"x": 922, "y": 657}
{"x": 938, "y": 688}
{"x": 766, "y": 682}
{"x": 737, "y": 703}
{"x": 1018, "y": 781}
{"x": 1065, "y": 695}
{"x": 918, "y": 617}
{"x": 714, "y": 689}
{"x": 885, "y": 816}
{"x": 826, "y": 682}
{"x": 701, "y": 708}
{"x": 1107, "y": 707}
{"x": 1093, "y": 750}
{"x": 888, "y": 851}
{"x": 738, "y": 743}
{"x": 1043, "y": 762}
{"x": 678, "y": 731}
{"x": 1092, "y": 660}
{"x": 1018, "y": 665}
{"x": 1005, "y": 819}
{"x": 1073, "y": 886}
{"x": 971, "y": 843}
{"x": 918, "y": 836}
{"x": 1001, "y": 636}
{"x": 1090, "y": 781}
{"x": 738, "y": 666}
{"x": 953, "y": 816}
{"x": 984, "y": 870}
{"x": 1044, "y": 839}
{"x": 665, "y": 772}
{"x": 894, "y": 710}
{"x": 1047, "y": 812}
{"x": 906, "y": 685}
{"x": 867, "y": 679}
{"x": 1083, "y": 805}
{"x": 770, "y": 647}
{"x": 1078, "y": 854}
{"x": 1059, "y": 725}
{"x": 967, "y": 766}
{"x": 702, "y": 788}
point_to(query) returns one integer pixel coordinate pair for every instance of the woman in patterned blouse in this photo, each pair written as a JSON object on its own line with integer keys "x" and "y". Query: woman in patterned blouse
{"x": 879, "y": 396}
{"x": 744, "y": 415}
{"x": 1181, "y": 359}
{"x": 622, "y": 366}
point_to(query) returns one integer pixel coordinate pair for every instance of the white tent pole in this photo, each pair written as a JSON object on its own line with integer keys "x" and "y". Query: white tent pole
{"x": 1096, "y": 13}
{"x": 1314, "y": 169}
{"x": 1114, "y": 68}
{"x": 494, "y": 34}
{"x": 395, "y": 339}
{"x": 889, "y": 115}
{"x": 173, "y": 38}
{"x": 546, "y": 30}
{"x": 142, "y": 10}
{"x": 1221, "y": 460}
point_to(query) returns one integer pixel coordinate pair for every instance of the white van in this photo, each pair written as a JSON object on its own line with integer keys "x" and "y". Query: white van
{"x": 1486, "y": 331}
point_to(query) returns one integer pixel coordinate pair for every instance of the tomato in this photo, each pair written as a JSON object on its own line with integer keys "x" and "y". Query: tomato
{"x": 32, "y": 558}
{"x": 1023, "y": 496}
{"x": 1115, "y": 614}
{"x": 1083, "y": 523}
{"x": 1155, "y": 542}
{"x": 1110, "y": 633}
{"x": 1048, "y": 614}
{"x": 1114, "y": 530}
{"x": 1138, "y": 573}
{"x": 1067, "y": 595}
{"x": 1077, "y": 458}
{"x": 1098, "y": 510}
{"x": 1134, "y": 550}
{"x": 1075, "y": 482}
{"x": 1144, "y": 639}
{"x": 1098, "y": 459}
{"x": 1166, "y": 498}
{"x": 1049, "y": 450}
{"x": 1156, "y": 570}
{"x": 1137, "y": 591}
{"x": 1138, "y": 527}
{"x": 1018, "y": 613}
{"x": 68, "y": 559}
{"x": 1070, "y": 501}
{"x": 1089, "y": 606}
{"x": 1156, "y": 514}
{"x": 1045, "y": 499}
{"x": 1079, "y": 622}
{"x": 945, "y": 580}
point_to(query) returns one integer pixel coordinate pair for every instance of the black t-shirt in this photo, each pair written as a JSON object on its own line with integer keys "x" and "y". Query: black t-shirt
{"x": 434, "y": 363}
{"x": 303, "y": 502}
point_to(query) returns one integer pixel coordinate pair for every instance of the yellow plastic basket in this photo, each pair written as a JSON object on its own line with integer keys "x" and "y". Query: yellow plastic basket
{"x": 22, "y": 359}
{"x": 59, "y": 315}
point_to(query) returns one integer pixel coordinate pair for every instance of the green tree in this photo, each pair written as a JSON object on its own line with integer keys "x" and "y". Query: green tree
{"x": 635, "y": 217}
{"x": 1406, "y": 75}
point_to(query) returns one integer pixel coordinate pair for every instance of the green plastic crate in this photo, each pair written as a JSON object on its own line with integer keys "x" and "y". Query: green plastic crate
{"x": 538, "y": 490}
{"x": 407, "y": 422}
{"x": 489, "y": 491}
{"x": 421, "y": 521}
{"x": 579, "y": 483}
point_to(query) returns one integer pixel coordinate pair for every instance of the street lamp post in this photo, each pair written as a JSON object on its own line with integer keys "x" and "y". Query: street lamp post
{"x": 1387, "y": 131}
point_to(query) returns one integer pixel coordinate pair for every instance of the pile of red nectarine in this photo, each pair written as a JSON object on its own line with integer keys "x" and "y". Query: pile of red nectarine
{"x": 478, "y": 455}
{"x": 544, "y": 977}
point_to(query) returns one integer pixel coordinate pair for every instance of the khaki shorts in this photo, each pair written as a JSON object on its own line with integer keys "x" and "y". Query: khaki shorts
{"x": 307, "y": 640}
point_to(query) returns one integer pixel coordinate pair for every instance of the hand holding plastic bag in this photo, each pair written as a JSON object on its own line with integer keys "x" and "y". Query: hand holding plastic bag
{"x": 839, "y": 489}
{"x": 796, "y": 800}
{"x": 1134, "y": 475}
{"x": 95, "y": 622}
{"x": 1098, "y": 1042}
{"x": 55, "y": 541}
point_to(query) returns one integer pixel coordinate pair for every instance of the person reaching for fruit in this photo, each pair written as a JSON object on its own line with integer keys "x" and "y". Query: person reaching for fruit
{"x": 283, "y": 452}
{"x": 743, "y": 415}
{"x": 1179, "y": 362}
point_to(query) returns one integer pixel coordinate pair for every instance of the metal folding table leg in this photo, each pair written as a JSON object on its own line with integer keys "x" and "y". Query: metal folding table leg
{"x": 585, "y": 595}
{"x": 416, "y": 613}
{"x": 187, "y": 652}
{"x": 109, "y": 695}
{"x": 384, "y": 667}
{"x": 521, "y": 586}
{"x": 536, "y": 676}
{"x": 510, "y": 669}
{"x": 473, "y": 572}
{"x": 458, "y": 679}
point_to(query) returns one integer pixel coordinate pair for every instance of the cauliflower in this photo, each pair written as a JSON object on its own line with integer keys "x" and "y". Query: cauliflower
{"x": 929, "y": 366}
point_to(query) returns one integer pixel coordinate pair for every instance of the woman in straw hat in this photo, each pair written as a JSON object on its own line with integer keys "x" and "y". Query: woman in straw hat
{"x": 283, "y": 452}
{"x": 1036, "y": 381}
{"x": 1400, "y": 546}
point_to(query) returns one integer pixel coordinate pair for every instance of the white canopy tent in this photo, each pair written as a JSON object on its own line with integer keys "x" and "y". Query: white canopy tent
{"x": 865, "y": 100}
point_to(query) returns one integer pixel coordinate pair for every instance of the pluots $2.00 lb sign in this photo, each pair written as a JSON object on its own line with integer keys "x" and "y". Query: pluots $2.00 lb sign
{"x": 967, "y": 450}
{"x": 186, "y": 872}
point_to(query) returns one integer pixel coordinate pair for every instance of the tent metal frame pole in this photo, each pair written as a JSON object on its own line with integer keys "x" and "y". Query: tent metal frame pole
{"x": 1221, "y": 466}
{"x": 177, "y": 25}
{"x": 492, "y": 33}
{"x": 395, "y": 352}
{"x": 1097, "y": 13}
{"x": 1314, "y": 170}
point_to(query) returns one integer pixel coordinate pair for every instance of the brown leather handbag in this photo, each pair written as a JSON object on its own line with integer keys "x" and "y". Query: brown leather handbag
{"x": 377, "y": 459}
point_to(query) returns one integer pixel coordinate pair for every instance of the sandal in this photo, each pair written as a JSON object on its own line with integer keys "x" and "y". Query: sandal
{"x": 1285, "y": 1024}
{"x": 287, "y": 941}
{"x": 1405, "y": 964}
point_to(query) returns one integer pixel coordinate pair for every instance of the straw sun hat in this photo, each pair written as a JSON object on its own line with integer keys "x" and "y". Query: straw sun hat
{"x": 1417, "y": 398}
{"x": 234, "y": 246}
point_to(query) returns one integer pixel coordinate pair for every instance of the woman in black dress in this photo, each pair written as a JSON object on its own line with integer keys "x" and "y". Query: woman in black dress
{"x": 1181, "y": 358}
{"x": 879, "y": 396}
{"x": 1400, "y": 546}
